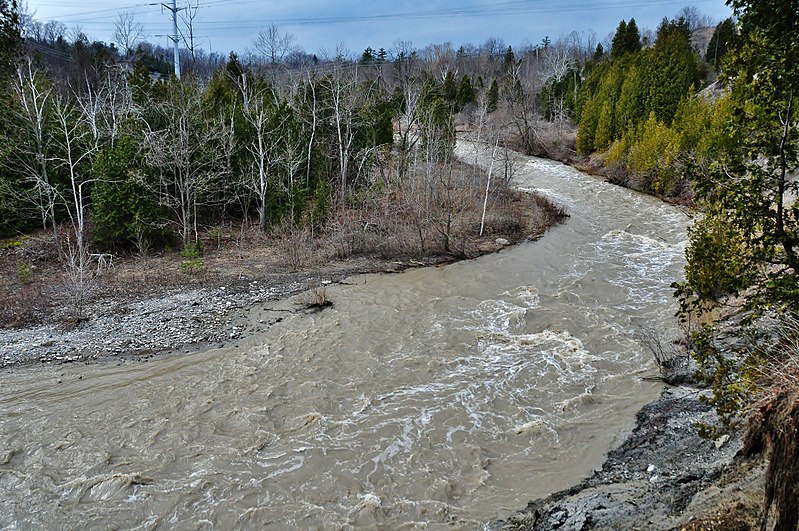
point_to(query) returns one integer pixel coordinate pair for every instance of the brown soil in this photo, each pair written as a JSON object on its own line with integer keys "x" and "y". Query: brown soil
{"x": 775, "y": 430}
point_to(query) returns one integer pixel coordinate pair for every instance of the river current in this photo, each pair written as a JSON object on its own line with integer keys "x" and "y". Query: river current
{"x": 440, "y": 397}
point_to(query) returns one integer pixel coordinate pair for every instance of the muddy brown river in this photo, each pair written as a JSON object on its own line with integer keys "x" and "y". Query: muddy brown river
{"x": 437, "y": 398}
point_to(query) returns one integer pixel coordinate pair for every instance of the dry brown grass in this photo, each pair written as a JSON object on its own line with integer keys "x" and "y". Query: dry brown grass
{"x": 774, "y": 429}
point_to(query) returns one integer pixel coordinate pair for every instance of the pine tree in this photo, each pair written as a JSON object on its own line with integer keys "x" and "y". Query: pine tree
{"x": 599, "y": 52}
{"x": 618, "y": 45}
{"x": 368, "y": 55}
{"x": 465, "y": 93}
{"x": 10, "y": 37}
{"x": 382, "y": 55}
{"x": 450, "y": 88}
{"x": 632, "y": 38}
{"x": 509, "y": 59}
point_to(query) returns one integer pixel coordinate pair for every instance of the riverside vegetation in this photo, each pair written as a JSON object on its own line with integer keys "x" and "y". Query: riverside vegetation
{"x": 340, "y": 156}
{"x": 732, "y": 151}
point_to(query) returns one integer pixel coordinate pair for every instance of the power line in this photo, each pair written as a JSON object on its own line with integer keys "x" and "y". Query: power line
{"x": 99, "y": 20}
{"x": 497, "y": 9}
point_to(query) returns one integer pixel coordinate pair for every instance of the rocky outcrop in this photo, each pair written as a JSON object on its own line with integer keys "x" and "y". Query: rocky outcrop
{"x": 649, "y": 481}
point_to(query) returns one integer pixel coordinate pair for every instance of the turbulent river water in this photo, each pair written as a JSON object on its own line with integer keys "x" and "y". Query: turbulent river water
{"x": 438, "y": 397}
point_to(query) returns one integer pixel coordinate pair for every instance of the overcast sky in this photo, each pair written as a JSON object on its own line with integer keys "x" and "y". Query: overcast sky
{"x": 319, "y": 25}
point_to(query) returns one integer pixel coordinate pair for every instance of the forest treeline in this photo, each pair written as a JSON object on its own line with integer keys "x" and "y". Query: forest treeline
{"x": 652, "y": 111}
{"x": 131, "y": 158}
{"x": 100, "y": 136}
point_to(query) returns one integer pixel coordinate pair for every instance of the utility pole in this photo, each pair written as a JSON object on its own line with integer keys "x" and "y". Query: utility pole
{"x": 175, "y": 37}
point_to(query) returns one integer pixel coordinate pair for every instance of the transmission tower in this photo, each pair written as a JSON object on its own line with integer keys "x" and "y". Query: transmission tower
{"x": 175, "y": 37}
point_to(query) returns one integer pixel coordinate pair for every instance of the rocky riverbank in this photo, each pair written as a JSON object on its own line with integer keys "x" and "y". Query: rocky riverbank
{"x": 663, "y": 476}
{"x": 180, "y": 320}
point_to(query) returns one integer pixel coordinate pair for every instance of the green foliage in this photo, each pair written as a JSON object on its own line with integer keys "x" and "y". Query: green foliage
{"x": 605, "y": 131}
{"x": 631, "y": 108}
{"x": 588, "y": 127}
{"x": 11, "y": 41}
{"x": 12, "y": 217}
{"x": 438, "y": 130}
{"x": 654, "y": 154}
{"x": 192, "y": 262}
{"x": 24, "y": 271}
{"x": 449, "y": 89}
{"x": 719, "y": 263}
{"x": 719, "y": 43}
{"x": 509, "y": 59}
{"x": 627, "y": 39}
{"x": 750, "y": 188}
{"x": 215, "y": 236}
{"x": 465, "y": 94}
{"x": 672, "y": 71}
{"x": 747, "y": 242}
{"x": 323, "y": 203}
{"x": 558, "y": 97}
{"x": 123, "y": 208}
{"x": 629, "y": 104}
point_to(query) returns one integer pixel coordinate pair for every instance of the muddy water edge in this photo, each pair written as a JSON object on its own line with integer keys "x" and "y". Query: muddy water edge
{"x": 438, "y": 397}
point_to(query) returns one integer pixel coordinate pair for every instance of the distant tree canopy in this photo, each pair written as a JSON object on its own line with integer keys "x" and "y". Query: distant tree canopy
{"x": 619, "y": 95}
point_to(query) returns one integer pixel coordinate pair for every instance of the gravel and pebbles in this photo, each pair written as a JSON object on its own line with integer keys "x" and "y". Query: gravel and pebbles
{"x": 142, "y": 328}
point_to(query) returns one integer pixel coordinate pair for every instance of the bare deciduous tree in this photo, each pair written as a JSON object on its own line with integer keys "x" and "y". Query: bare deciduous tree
{"x": 53, "y": 30}
{"x": 34, "y": 105}
{"x": 77, "y": 142}
{"x": 191, "y": 152}
{"x": 127, "y": 32}
{"x": 260, "y": 113}
{"x": 273, "y": 45}
{"x": 187, "y": 16}
{"x": 695, "y": 18}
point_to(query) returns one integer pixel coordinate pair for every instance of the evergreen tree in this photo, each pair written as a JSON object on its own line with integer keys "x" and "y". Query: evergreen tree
{"x": 618, "y": 46}
{"x": 368, "y": 55}
{"x": 672, "y": 71}
{"x": 450, "y": 88}
{"x": 10, "y": 38}
{"x": 509, "y": 59}
{"x": 751, "y": 187}
{"x": 720, "y": 42}
{"x": 631, "y": 108}
{"x": 632, "y": 38}
{"x": 493, "y": 97}
{"x": 11, "y": 215}
{"x": 588, "y": 127}
{"x": 124, "y": 211}
{"x": 465, "y": 93}
{"x": 599, "y": 52}
{"x": 627, "y": 39}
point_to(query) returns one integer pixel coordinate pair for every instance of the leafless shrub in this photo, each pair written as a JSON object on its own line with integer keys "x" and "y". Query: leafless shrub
{"x": 672, "y": 360}
{"x": 21, "y": 304}
{"x": 316, "y": 297}
{"x": 295, "y": 244}
{"x": 79, "y": 284}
